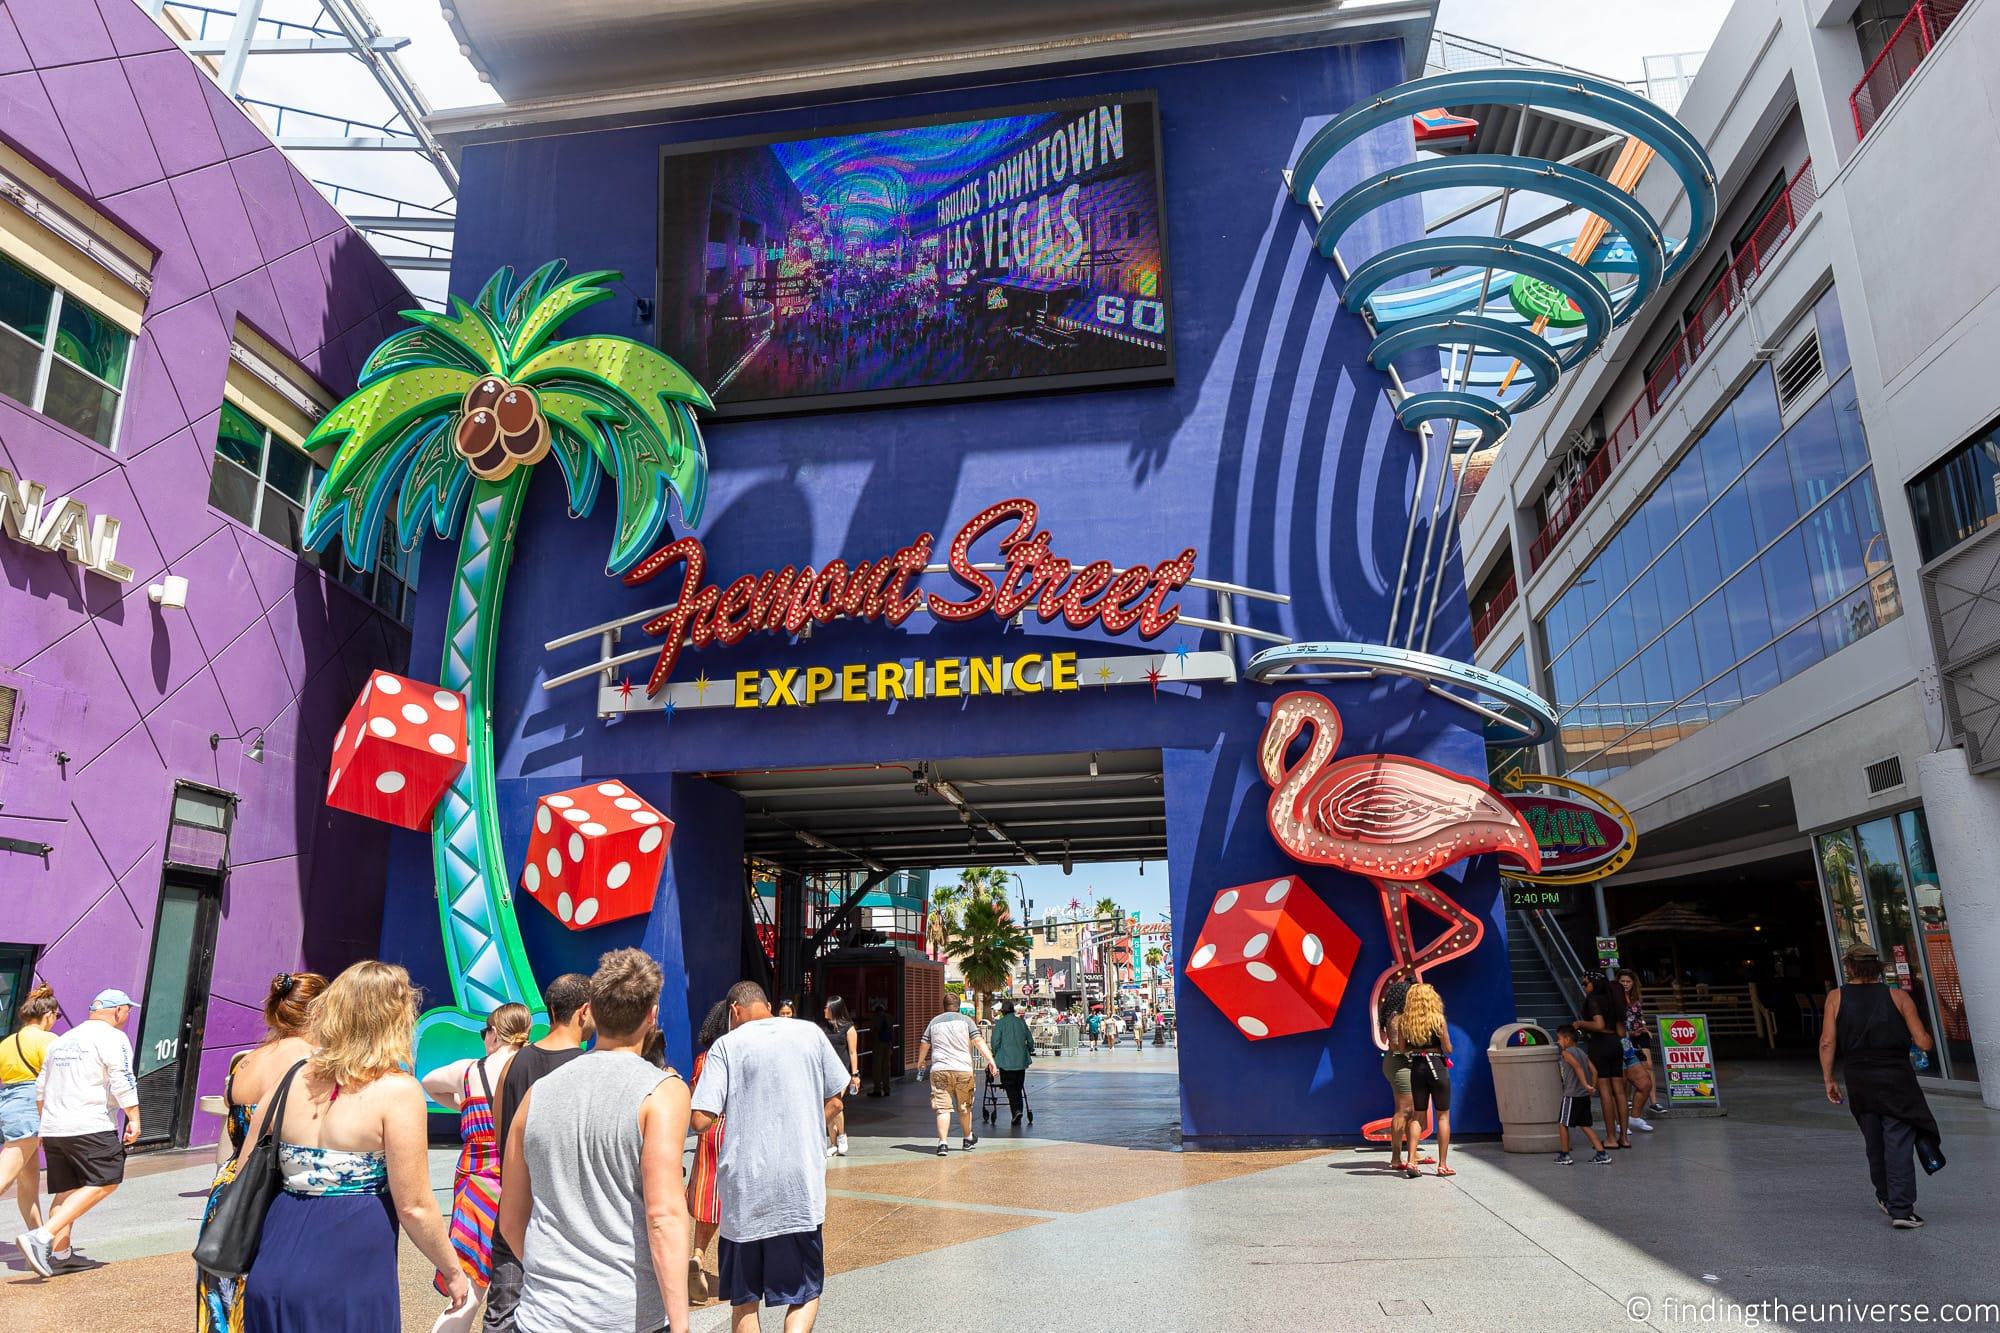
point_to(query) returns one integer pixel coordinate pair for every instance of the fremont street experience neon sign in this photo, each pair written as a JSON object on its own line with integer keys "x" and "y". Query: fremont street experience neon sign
{"x": 787, "y": 600}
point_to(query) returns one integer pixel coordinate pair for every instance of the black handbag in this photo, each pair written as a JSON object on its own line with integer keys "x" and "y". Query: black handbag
{"x": 228, "y": 1244}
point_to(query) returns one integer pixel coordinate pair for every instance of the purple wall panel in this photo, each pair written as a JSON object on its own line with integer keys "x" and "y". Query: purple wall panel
{"x": 129, "y": 693}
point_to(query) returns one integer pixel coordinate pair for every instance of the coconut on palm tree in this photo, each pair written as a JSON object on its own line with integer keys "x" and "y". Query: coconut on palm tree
{"x": 445, "y": 429}
{"x": 987, "y": 947}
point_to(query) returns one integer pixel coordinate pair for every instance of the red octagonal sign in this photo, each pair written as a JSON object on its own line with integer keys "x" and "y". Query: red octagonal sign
{"x": 1682, "y": 1032}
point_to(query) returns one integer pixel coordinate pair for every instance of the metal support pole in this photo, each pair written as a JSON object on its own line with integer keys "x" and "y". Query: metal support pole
{"x": 791, "y": 934}
{"x": 230, "y": 72}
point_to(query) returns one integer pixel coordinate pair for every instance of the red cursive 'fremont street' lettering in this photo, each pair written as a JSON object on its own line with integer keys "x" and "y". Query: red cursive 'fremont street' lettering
{"x": 787, "y": 600}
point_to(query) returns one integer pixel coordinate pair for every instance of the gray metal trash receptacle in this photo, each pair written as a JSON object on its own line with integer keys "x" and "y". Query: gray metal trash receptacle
{"x": 1527, "y": 1086}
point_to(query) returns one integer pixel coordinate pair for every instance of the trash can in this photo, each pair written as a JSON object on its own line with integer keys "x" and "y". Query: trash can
{"x": 1527, "y": 1086}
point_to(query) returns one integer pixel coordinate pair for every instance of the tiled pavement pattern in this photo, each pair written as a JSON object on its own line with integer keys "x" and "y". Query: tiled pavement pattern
{"x": 1090, "y": 1221}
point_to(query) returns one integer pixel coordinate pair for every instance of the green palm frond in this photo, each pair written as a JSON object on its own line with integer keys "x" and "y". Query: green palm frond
{"x": 560, "y": 302}
{"x": 377, "y": 431}
{"x": 470, "y": 329}
{"x": 634, "y": 407}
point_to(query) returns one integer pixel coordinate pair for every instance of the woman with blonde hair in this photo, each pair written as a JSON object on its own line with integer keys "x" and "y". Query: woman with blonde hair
{"x": 1427, "y": 1045}
{"x": 475, "y": 1191}
{"x": 252, "y": 1074}
{"x": 21, "y": 1054}
{"x": 350, "y": 1129}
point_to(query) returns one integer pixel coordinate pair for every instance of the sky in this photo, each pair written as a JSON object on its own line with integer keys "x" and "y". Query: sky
{"x": 1144, "y": 896}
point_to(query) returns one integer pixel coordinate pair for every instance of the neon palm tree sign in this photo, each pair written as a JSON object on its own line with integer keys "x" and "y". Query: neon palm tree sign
{"x": 447, "y": 424}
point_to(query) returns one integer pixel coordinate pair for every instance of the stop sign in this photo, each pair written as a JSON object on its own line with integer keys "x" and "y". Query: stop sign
{"x": 1682, "y": 1032}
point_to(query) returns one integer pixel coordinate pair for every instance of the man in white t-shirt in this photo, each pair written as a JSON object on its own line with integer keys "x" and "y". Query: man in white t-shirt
{"x": 776, "y": 1082}
{"x": 86, "y": 1079}
{"x": 947, "y": 1048}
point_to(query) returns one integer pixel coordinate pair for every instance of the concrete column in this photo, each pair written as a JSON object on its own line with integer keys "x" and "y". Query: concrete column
{"x": 1964, "y": 816}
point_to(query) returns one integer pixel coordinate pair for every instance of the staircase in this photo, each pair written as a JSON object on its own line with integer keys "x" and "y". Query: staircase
{"x": 1537, "y": 997}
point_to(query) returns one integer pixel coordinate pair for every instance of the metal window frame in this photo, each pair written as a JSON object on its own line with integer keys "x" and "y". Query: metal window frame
{"x": 46, "y": 357}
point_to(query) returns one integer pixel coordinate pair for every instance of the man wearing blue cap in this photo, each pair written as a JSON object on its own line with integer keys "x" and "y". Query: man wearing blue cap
{"x": 86, "y": 1078}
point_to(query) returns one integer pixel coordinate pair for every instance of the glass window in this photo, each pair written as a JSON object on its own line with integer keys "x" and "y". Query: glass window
{"x": 1833, "y": 551}
{"x": 1723, "y": 695}
{"x": 1868, "y": 525}
{"x": 1851, "y": 618}
{"x": 1958, "y": 495}
{"x": 1712, "y": 637}
{"x": 75, "y": 377}
{"x": 1799, "y": 649}
{"x": 1934, "y": 934}
{"x": 1759, "y": 675}
{"x": 1832, "y": 334}
{"x": 1670, "y": 582}
{"x": 1704, "y": 567}
{"x": 1840, "y": 872}
{"x": 1889, "y": 905}
{"x": 1662, "y": 522}
{"x": 1749, "y": 612}
{"x": 1735, "y": 542}
{"x": 1721, "y": 455}
{"x": 1619, "y": 620}
{"x": 1659, "y": 680}
{"x": 1768, "y": 485}
{"x": 1642, "y": 604}
{"x": 1847, "y": 421}
{"x": 1755, "y": 410}
{"x": 261, "y": 480}
{"x": 1788, "y": 588}
{"x": 1683, "y": 659}
{"x": 1813, "y": 446}
{"x": 1689, "y": 488}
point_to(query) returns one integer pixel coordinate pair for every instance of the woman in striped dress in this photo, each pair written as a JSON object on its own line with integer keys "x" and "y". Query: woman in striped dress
{"x": 703, "y": 1205}
{"x": 470, "y": 1085}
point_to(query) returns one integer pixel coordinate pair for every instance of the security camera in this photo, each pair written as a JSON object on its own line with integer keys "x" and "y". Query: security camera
{"x": 171, "y": 593}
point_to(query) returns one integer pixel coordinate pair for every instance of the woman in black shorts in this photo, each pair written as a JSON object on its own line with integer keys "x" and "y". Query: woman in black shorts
{"x": 1427, "y": 1046}
{"x": 1603, "y": 1026}
{"x": 1640, "y": 1077}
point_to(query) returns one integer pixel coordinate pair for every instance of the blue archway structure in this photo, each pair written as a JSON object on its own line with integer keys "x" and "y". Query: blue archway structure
{"x": 1453, "y": 313}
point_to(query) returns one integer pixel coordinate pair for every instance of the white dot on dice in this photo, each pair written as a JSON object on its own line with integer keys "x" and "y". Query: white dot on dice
{"x": 388, "y": 685}
{"x": 586, "y": 911}
{"x": 618, "y": 875}
{"x": 542, "y": 820}
{"x": 1255, "y": 1027}
{"x": 562, "y": 906}
{"x": 1277, "y": 891}
{"x": 1255, "y": 945}
{"x": 532, "y": 878}
{"x": 651, "y": 838}
{"x": 382, "y": 727}
{"x": 609, "y": 789}
{"x": 554, "y": 862}
{"x": 1202, "y": 956}
{"x": 576, "y": 846}
{"x": 575, "y": 816}
{"x": 390, "y": 783}
{"x": 593, "y": 830}
{"x": 340, "y": 737}
{"x": 416, "y": 713}
{"x": 645, "y": 817}
{"x": 442, "y": 743}
{"x": 628, "y": 803}
{"x": 1262, "y": 971}
{"x": 1312, "y": 949}
{"x": 446, "y": 700}
{"x": 1225, "y": 902}
{"x": 561, "y": 802}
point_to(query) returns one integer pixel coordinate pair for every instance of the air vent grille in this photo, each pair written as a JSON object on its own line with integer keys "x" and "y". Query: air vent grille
{"x": 1800, "y": 372}
{"x": 9, "y": 697}
{"x": 1885, "y": 775}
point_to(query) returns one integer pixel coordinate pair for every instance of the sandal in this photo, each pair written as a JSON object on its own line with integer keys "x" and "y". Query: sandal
{"x": 1446, "y": 1171}
{"x": 1411, "y": 1173}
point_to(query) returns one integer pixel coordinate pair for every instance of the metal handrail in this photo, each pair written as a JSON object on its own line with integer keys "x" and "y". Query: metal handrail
{"x": 1565, "y": 967}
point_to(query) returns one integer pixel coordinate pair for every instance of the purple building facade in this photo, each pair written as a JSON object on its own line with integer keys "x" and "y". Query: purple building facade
{"x": 177, "y": 302}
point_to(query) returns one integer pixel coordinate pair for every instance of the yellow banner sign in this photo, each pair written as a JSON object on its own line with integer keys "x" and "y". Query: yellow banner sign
{"x": 935, "y": 678}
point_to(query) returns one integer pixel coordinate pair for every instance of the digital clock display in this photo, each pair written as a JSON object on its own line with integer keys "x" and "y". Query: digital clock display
{"x": 1535, "y": 895}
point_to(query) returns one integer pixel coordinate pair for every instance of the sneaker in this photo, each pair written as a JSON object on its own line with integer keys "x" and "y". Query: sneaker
{"x": 1643, "y": 1126}
{"x": 1564, "y": 1159}
{"x": 840, "y": 1145}
{"x": 1657, "y": 1109}
{"x": 1601, "y": 1159}
{"x": 971, "y": 1141}
{"x": 831, "y": 1150}
{"x": 1908, "y": 1223}
{"x": 1015, "y": 1121}
{"x": 37, "y": 1252}
{"x": 943, "y": 1148}
{"x": 76, "y": 1263}
{"x": 1883, "y": 1204}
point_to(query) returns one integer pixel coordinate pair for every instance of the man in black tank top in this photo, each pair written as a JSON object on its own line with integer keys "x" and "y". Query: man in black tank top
{"x": 570, "y": 1025}
{"x": 1872, "y": 1027}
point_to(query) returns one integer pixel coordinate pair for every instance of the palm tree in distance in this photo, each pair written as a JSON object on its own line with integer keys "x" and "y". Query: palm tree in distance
{"x": 945, "y": 898}
{"x": 444, "y": 430}
{"x": 988, "y": 948}
{"x": 1108, "y": 908}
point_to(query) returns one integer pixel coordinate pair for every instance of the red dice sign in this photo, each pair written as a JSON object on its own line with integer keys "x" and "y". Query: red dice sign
{"x": 1274, "y": 958}
{"x": 596, "y": 854}
{"x": 401, "y": 747}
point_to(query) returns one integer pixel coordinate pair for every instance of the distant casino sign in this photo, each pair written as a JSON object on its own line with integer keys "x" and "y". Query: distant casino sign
{"x": 1581, "y": 840}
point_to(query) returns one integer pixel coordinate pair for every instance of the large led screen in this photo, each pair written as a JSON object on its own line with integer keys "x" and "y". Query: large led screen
{"x": 1015, "y": 250}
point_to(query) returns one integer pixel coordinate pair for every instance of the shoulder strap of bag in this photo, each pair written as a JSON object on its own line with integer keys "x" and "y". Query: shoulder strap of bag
{"x": 275, "y": 1122}
{"x": 487, "y": 1084}
{"x": 21, "y": 1054}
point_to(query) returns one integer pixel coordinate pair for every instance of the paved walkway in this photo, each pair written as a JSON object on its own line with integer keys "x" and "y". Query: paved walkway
{"x": 1092, "y": 1220}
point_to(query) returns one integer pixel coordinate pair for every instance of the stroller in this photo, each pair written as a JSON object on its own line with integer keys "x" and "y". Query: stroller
{"x": 995, "y": 1097}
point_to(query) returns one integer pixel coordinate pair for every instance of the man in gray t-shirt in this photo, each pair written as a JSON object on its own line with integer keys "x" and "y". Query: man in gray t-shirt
{"x": 777, "y": 1082}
